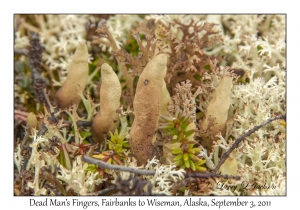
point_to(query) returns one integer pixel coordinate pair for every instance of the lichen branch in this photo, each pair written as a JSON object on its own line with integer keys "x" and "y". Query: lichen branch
{"x": 22, "y": 51}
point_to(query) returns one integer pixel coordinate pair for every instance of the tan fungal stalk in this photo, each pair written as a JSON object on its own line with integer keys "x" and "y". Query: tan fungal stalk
{"x": 147, "y": 107}
{"x": 32, "y": 122}
{"x": 163, "y": 45}
{"x": 166, "y": 100}
{"x": 218, "y": 109}
{"x": 107, "y": 119}
{"x": 76, "y": 80}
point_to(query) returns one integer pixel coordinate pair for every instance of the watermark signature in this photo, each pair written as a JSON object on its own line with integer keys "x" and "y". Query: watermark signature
{"x": 241, "y": 186}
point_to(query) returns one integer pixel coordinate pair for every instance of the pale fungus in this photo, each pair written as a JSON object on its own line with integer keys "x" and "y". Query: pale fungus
{"x": 147, "y": 107}
{"x": 107, "y": 119}
{"x": 69, "y": 93}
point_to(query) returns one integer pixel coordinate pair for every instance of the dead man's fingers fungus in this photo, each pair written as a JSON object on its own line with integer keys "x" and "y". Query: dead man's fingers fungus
{"x": 218, "y": 108}
{"x": 166, "y": 100}
{"x": 76, "y": 80}
{"x": 107, "y": 119}
{"x": 32, "y": 121}
{"x": 147, "y": 106}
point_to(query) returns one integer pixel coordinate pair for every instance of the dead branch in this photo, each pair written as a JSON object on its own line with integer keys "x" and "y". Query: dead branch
{"x": 210, "y": 175}
{"x": 104, "y": 191}
{"x": 182, "y": 183}
{"x": 102, "y": 164}
{"x": 236, "y": 143}
{"x": 81, "y": 123}
{"x": 42, "y": 131}
{"x": 105, "y": 165}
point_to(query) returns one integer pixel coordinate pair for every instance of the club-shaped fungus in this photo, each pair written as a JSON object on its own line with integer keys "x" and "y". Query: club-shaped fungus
{"x": 147, "y": 106}
{"x": 69, "y": 93}
{"x": 107, "y": 119}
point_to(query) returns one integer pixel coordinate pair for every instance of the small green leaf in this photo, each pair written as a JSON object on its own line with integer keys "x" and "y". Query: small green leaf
{"x": 200, "y": 162}
{"x": 176, "y": 151}
{"x": 197, "y": 150}
{"x": 179, "y": 162}
{"x": 65, "y": 158}
{"x": 189, "y": 133}
{"x": 86, "y": 141}
{"x": 191, "y": 151}
{"x": 259, "y": 47}
{"x": 185, "y": 156}
{"x": 193, "y": 157}
{"x": 178, "y": 157}
{"x": 197, "y": 77}
{"x": 207, "y": 67}
{"x": 187, "y": 163}
{"x": 193, "y": 167}
{"x": 199, "y": 168}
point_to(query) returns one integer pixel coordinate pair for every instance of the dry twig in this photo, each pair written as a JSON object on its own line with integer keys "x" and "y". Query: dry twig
{"x": 105, "y": 165}
{"x": 102, "y": 164}
{"x": 210, "y": 175}
{"x": 104, "y": 191}
{"x": 236, "y": 143}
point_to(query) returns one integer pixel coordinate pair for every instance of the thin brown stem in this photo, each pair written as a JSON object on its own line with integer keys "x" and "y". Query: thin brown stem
{"x": 81, "y": 123}
{"x": 236, "y": 143}
{"x": 210, "y": 175}
{"x": 104, "y": 191}
{"x": 105, "y": 165}
{"x": 182, "y": 183}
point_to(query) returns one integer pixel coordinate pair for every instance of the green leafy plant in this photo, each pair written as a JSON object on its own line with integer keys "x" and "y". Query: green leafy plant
{"x": 178, "y": 128}
{"x": 186, "y": 158}
{"x": 117, "y": 146}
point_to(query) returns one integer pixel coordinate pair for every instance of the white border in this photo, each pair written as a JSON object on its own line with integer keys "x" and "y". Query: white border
{"x": 151, "y": 6}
